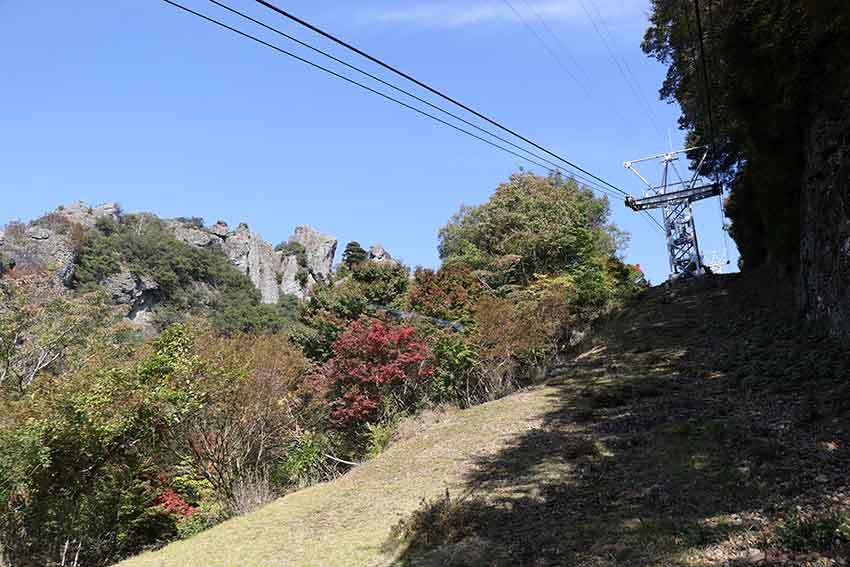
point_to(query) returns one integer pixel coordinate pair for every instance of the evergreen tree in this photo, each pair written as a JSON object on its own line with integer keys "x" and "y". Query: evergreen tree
{"x": 354, "y": 254}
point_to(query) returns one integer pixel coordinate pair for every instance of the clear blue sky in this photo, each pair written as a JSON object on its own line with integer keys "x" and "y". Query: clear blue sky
{"x": 138, "y": 103}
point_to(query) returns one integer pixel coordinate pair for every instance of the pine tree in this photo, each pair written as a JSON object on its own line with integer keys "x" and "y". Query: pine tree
{"x": 354, "y": 254}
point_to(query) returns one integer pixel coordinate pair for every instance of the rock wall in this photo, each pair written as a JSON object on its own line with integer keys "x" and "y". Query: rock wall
{"x": 825, "y": 209}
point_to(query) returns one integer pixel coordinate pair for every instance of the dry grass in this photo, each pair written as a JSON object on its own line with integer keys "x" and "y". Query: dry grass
{"x": 701, "y": 426}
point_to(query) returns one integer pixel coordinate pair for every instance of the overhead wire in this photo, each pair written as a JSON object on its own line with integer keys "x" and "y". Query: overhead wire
{"x": 629, "y": 71}
{"x": 363, "y": 86}
{"x": 545, "y": 45}
{"x": 613, "y": 56}
{"x": 655, "y": 224}
{"x": 433, "y": 90}
{"x": 553, "y": 53}
{"x": 710, "y": 111}
{"x": 384, "y": 82}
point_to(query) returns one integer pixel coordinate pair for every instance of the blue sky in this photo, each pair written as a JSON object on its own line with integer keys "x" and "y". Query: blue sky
{"x": 138, "y": 103}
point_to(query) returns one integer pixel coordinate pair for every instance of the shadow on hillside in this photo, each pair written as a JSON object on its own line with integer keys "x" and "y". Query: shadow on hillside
{"x": 668, "y": 445}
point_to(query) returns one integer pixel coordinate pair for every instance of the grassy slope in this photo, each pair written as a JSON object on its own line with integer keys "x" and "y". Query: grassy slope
{"x": 690, "y": 427}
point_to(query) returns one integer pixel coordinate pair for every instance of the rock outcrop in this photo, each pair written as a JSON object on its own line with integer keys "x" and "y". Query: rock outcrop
{"x": 42, "y": 247}
{"x": 274, "y": 273}
{"x": 49, "y": 242}
{"x": 379, "y": 254}
{"x": 320, "y": 249}
{"x": 138, "y": 294}
{"x": 86, "y": 216}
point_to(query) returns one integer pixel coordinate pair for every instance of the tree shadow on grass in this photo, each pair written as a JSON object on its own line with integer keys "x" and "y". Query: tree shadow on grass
{"x": 665, "y": 447}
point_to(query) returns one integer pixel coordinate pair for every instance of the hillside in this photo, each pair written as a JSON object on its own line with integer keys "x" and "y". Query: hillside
{"x": 700, "y": 425}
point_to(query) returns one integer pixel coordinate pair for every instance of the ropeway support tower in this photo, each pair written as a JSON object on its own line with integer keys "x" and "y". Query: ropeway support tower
{"x": 675, "y": 199}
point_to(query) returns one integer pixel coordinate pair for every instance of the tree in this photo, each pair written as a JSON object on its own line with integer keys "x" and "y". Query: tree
{"x": 41, "y": 325}
{"x": 375, "y": 368}
{"x": 530, "y": 225}
{"x": 354, "y": 254}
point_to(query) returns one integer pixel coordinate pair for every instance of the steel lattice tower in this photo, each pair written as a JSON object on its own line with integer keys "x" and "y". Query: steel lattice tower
{"x": 675, "y": 199}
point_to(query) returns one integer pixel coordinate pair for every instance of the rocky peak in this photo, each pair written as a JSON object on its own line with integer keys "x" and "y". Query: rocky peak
{"x": 80, "y": 213}
{"x": 320, "y": 250}
{"x": 379, "y": 254}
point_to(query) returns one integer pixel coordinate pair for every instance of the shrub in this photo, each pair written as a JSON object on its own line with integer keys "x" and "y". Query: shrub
{"x": 193, "y": 222}
{"x": 376, "y": 369}
{"x": 251, "y": 491}
{"x": 812, "y": 533}
{"x": 455, "y": 360}
{"x": 381, "y": 284}
{"x": 378, "y": 437}
{"x": 6, "y": 264}
{"x": 42, "y": 329}
{"x": 293, "y": 249}
{"x": 333, "y": 305}
{"x": 449, "y": 293}
{"x": 245, "y": 408}
{"x": 306, "y": 462}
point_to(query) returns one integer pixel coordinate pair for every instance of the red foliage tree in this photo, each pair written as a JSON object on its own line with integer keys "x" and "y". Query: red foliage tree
{"x": 371, "y": 363}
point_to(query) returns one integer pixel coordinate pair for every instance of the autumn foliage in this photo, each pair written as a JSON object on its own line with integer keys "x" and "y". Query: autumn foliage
{"x": 374, "y": 366}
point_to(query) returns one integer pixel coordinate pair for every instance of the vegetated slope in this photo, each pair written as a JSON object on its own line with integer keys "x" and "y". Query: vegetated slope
{"x": 699, "y": 426}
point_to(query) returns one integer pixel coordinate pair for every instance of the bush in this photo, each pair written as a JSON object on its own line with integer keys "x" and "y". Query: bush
{"x": 333, "y": 305}
{"x": 381, "y": 284}
{"x": 307, "y": 462}
{"x": 293, "y": 249}
{"x": 812, "y": 533}
{"x": 376, "y": 370}
{"x": 449, "y": 293}
{"x": 6, "y": 264}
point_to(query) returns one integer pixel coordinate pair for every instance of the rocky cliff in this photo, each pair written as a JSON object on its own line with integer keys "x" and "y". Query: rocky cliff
{"x": 51, "y": 242}
{"x": 274, "y": 273}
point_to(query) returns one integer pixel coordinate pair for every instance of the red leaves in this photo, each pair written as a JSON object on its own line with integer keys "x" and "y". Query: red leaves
{"x": 172, "y": 503}
{"x": 371, "y": 362}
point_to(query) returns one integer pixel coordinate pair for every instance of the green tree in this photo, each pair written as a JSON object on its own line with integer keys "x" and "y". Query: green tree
{"x": 530, "y": 225}
{"x": 354, "y": 254}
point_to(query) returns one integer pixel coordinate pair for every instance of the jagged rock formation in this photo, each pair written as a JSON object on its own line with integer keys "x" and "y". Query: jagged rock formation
{"x": 50, "y": 241}
{"x": 273, "y": 273}
{"x": 320, "y": 248}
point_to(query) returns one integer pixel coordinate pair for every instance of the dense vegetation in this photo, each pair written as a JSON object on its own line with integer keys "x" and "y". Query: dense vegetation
{"x": 111, "y": 443}
{"x": 771, "y": 65}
